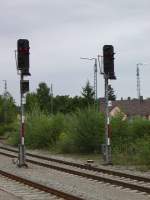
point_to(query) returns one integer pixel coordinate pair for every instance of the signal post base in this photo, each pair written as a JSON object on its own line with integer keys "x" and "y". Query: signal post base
{"x": 22, "y": 157}
{"x": 106, "y": 151}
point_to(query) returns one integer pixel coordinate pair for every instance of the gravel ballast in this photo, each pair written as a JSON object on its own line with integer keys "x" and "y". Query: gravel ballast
{"x": 8, "y": 196}
{"x": 88, "y": 189}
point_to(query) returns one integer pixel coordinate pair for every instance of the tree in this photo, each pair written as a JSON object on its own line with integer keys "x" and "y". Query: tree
{"x": 77, "y": 103}
{"x": 62, "y": 104}
{"x": 43, "y": 97}
{"x": 31, "y": 101}
{"x": 111, "y": 95}
{"x": 88, "y": 94}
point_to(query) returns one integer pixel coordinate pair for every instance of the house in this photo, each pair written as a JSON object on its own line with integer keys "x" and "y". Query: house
{"x": 129, "y": 108}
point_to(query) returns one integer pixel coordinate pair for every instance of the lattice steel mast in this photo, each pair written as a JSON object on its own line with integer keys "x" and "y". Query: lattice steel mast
{"x": 138, "y": 81}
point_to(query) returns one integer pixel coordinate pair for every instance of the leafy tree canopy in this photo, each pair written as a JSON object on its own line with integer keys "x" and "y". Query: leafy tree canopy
{"x": 43, "y": 96}
{"x": 88, "y": 94}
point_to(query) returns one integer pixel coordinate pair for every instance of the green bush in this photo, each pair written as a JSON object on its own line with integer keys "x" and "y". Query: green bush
{"x": 142, "y": 151}
{"x": 139, "y": 128}
{"x": 41, "y": 130}
{"x": 131, "y": 141}
{"x": 2, "y": 129}
{"x": 120, "y": 134}
{"x": 6, "y": 129}
{"x": 65, "y": 143}
{"x": 84, "y": 132}
{"x": 14, "y": 134}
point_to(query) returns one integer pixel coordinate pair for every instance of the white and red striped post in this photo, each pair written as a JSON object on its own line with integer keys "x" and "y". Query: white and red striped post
{"x": 22, "y": 128}
{"x": 107, "y": 153}
{"x": 21, "y": 156}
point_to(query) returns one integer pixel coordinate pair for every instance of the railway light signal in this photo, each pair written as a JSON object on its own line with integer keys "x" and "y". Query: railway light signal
{"x": 23, "y": 56}
{"x": 23, "y": 70}
{"x": 108, "y": 63}
{"x": 108, "y": 56}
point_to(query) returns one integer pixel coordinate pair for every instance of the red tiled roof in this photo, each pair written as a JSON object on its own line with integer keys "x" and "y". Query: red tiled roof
{"x": 130, "y": 107}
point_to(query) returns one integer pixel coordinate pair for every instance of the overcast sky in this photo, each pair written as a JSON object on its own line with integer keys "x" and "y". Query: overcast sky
{"x": 62, "y": 31}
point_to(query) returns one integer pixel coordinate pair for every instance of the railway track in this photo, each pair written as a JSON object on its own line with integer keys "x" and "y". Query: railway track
{"x": 138, "y": 183}
{"x": 34, "y": 190}
{"x": 82, "y": 166}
